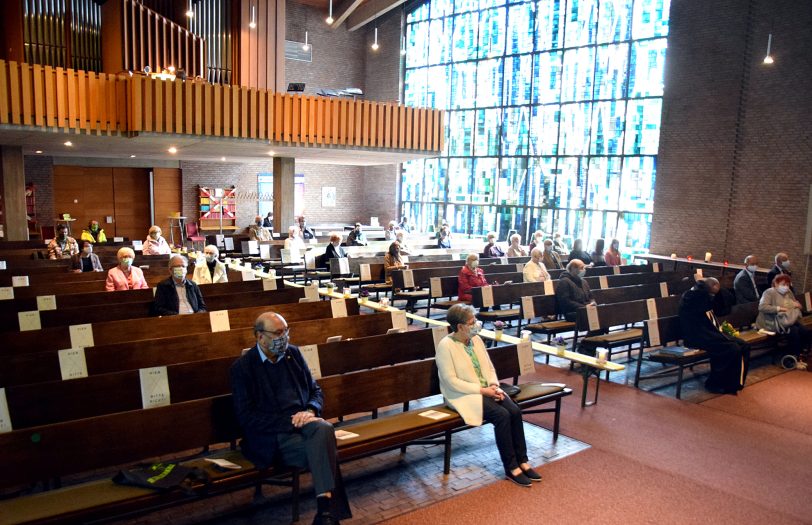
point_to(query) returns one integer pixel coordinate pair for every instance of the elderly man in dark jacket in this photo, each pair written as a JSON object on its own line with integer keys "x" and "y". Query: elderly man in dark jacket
{"x": 177, "y": 294}
{"x": 572, "y": 291}
{"x": 729, "y": 356}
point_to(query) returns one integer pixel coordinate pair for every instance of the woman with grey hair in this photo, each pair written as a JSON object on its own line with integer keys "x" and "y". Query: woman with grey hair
{"x": 470, "y": 386}
{"x": 155, "y": 243}
{"x": 210, "y": 269}
{"x": 125, "y": 276}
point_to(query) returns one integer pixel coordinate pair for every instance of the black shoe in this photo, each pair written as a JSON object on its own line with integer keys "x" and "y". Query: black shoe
{"x": 519, "y": 479}
{"x": 325, "y": 518}
{"x": 531, "y": 474}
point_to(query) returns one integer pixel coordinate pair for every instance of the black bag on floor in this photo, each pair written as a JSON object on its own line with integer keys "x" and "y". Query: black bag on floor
{"x": 160, "y": 476}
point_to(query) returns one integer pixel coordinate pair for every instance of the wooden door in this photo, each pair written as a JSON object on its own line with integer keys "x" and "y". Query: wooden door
{"x": 85, "y": 193}
{"x": 131, "y": 202}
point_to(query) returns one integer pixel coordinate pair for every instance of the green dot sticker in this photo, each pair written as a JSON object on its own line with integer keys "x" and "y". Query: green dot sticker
{"x": 36, "y": 437}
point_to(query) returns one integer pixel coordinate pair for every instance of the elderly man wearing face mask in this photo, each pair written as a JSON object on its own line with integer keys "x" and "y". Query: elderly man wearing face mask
{"x": 125, "y": 276}
{"x": 278, "y": 406}
{"x": 729, "y": 356}
{"x": 572, "y": 291}
{"x": 549, "y": 257}
{"x": 178, "y": 295}
{"x": 782, "y": 267}
{"x": 155, "y": 244}
{"x": 210, "y": 270}
{"x": 257, "y": 232}
{"x": 744, "y": 285}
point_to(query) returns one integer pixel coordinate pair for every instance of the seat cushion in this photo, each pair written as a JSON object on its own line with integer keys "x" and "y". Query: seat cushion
{"x": 499, "y": 314}
{"x": 445, "y": 305}
{"x": 551, "y": 326}
{"x": 620, "y": 336}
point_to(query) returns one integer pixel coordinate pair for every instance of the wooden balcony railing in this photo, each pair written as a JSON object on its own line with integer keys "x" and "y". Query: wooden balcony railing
{"x": 105, "y": 104}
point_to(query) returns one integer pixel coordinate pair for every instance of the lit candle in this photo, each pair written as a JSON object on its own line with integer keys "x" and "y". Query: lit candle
{"x": 708, "y": 256}
{"x": 525, "y": 335}
{"x": 673, "y": 255}
{"x": 602, "y": 355}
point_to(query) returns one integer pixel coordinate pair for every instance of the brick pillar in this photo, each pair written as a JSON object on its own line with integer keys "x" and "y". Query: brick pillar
{"x": 283, "y": 193}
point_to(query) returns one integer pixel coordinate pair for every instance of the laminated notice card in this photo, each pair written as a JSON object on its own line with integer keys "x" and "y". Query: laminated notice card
{"x": 408, "y": 279}
{"x": 29, "y": 320}
{"x": 399, "y": 320}
{"x": 653, "y": 332}
{"x": 312, "y": 292}
{"x": 219, "y": 321}
{"x": 249, "y": 275}
{"x": 2, "y": 265}
{"x": 651, "y": 305}
{"x": 487, "y": 296}
{"x": 6, "y": 293}
{"x": 549, "y": 288}
{"x": 264, "y": 251}
{"x": 46, "y": 302}
{"x": 311, "y": 357}
{"x": 72, "y": 364}
{"x": 366, "y": 273}
{"x": 604, "y": 282}
{"x": 434, "y": 414}
{"x": 663, "y": 289}
{"x": 5, "y": 419}
{"x": 592, "y": 317}
{"x": 81, "y": 335}
{"x": 344, "y": 266}
{"x": 19, "y": 280}
{"x": 154, "y": 387}
{"x": 118, "y": 239}
{"x": 269, "y": 285}
{"x": 526, "y": 363}
{"x": 528, "y": 309}
{"x": 616, "y": 270}
{"x": 436, "y": 287}
{"x": 808, "y": 301}
{"x": 138, "y": 246}
{"x": 339, "y": 307}
{"x": 438, "y": 332}
{"x": 229, "y": 244}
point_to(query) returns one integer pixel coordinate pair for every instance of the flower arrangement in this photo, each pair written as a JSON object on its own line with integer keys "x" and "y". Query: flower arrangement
{"x": 330, "y": 285}
{"x": 498, "y": 326}
{"x": 728, "y": 329}
{"x": 560, "y": 345}
{"x": 364, "y": 293}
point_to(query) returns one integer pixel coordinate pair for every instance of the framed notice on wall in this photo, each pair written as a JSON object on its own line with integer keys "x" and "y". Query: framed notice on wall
{"x": 328, "y": 197}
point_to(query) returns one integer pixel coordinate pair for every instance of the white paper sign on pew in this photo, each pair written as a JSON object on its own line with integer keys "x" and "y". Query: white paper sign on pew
{"x": 366, "y": 272}
{"x": 404, "y": 259}
{"x": 154, "y": 387}
{"x": 29, "y": 320}
{"x": 312, "y": 292}
{"x": 5, "y": 417}
{"x": 138, "y": 246}
{"x": 344, "y": 266}
{"x": 253, "y": 247}
{"x": 264, "y": 251}
{"x": 408, "y": 279}
{"x": 487, "y": 296}
{"x": 592, "y": 317}
{"x": 228, "y": 242}
{"x": 526, "y": 363}
{"x": 616, "y": 270}
{"x": 3, "y": 265}
{"x": 653, "y": 332}
{"x": 663, "y": 289}
{"x": 311, "y": 357}
{"x": 519, "y": 267}
{"x": 528, "y": 308}
{"x": 249, "y": 275}
{"x": 438, "y": 332}
{"x": 808, "y": 301}
{"x": 19, "y": 281}
{"x": 399, "y": 320}
{"x": 549, "y": 288}
{"x": 338, "y": 307}
{"x": 269, "y": 285}
{"x": 651, "y": 305}
{"x": 655, "y": 267}
{"x": 6, "y": 293}
{"x": 219, "y": 321}
{"x": 81, "y": 335}
{"x": 436, "y": 287}
{"x": 310, "y": 260}
{"x": 698, "y": 275}
{"x": 503, "y": 260}
{"x": 118, "y": 239}
{"x": 72, "y": 364}
{"x": 604, "y": 282}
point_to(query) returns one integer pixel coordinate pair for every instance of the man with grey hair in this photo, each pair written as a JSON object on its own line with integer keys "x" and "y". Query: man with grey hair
{"x": 534, "y": 270}
{"x": 744, "y": 285}
{"x": 257, "y": 232}
{"x": 572, "y": 291}
{"x": 782, "y": 266}
{"x": 278, "y": 406}
{"x": 177, "y": 294}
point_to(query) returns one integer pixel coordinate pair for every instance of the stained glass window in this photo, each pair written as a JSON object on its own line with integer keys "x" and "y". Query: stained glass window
{"x": 553, "y": 115}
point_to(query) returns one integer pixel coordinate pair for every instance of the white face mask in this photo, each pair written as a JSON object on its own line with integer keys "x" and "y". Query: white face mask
{"x": 155, "y": 235}
{"x": 581, "y": 273}
{"x": 752, "y": 268}
{"x": 178, "y": 272}
{"x": 474, "y": 329}
{"x": 783, "y": 289}
{"x": 210, "y": 257}
{"x": 786, "y": 264}
{"x": 474, "y": 265}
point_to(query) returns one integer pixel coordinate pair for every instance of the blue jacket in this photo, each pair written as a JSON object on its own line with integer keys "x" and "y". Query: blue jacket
{"x": 257, "y": 408}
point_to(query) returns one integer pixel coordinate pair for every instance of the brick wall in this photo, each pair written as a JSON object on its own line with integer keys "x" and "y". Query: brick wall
{"x": 39, "y": 170}
{"x": 735, "y": 151}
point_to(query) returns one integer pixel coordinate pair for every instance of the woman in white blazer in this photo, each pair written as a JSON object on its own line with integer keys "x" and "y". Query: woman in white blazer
{"x": 211, "y": 270}
{"x": 469, "y": 385}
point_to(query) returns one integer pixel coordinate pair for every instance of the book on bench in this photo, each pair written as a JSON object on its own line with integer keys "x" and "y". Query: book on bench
{"x": 679, "y": 351}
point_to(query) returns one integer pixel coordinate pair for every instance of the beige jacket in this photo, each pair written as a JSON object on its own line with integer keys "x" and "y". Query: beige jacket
{"x": 459, "y": 383}
{"x": 202, "y": 275}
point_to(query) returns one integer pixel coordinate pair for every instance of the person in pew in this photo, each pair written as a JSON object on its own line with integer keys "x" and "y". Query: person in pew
{"x": 86, "y": 260}
{"x": 62, "y": 246}
{"x": 443, "y": 240}
{"x": 210, "y": 269}
{"x": 780, "y": 312}
{"x": 597, "y": 256}
{"x": 470, "y": 386}
{"x": 744, "y": 285}
{"x": 156, "y": 244}
{"x": 94, "y": 233}
{"x": 334, "y": 249}
{"x": 572, "y": 291}
{"x": 550, "y": 258}
{"x": 492, "y": 249}
{"x": 306, "y": 233}
{"x": 516, "y": 249}
{"x": 534, "y": 270}
{"x": 406, "y": 224}
{"x": 357, "y": 236}
{"x": 391, "y": 231}
{"x": 537, "y": 237}
{"x": 400, "y": 237}
{"x": 257, "y": 232}
{"x": 559, "y": 245}
{"x": 267, "y": 222}
{"x": 278, "y": 404}
{"x": 178, "y": 295}
{"x": 392, "y": 261}
{"x": 294, "y": 240}
{"x": 782, "y": 267}
{"x": 470, "y": 276}
{"x": 125, "y": 276}
{"x": 729, "y": 356}
{"x": 579, "y": 253}
{"x": 613, "y": 257}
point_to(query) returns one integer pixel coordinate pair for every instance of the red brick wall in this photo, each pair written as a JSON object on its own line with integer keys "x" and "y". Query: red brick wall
{"x": 40, "y": 171}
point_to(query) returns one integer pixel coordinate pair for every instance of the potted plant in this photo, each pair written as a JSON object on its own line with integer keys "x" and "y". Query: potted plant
{"x": 363, "y": 296}
{"x": 330, "y": 287}
{"x": 498, "y": 328}
{"x": 560, "y": 345}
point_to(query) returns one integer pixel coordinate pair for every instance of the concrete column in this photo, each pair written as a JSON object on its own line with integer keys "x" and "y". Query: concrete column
{"x": 283, "y": 193}
{"x": 16, "y": 222}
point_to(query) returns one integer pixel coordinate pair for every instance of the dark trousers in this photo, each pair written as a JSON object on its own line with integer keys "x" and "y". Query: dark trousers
{"x": 729, "y": 363}
{"x": 508, "y": 428}
{"x": 797, "y": 338}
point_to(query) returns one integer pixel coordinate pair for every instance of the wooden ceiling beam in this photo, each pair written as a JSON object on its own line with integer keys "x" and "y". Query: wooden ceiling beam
{"x": 371, "y": 10}
{"x": 344, "y": 11}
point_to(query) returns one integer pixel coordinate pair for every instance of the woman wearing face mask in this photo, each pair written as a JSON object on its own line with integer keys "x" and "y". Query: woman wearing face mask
{"x": 470, "y": 276}
{"x": 572, "y": 291}
{"x": 470, "y": 386}
{"x": 536, "y": 242}
{"x": 125, "y": 276}
{"x": 86, "y": 260}
{"x": 612, "y": 256}
{"x": 155, "y": 243}
{"x": 210, "y": 270}
{"x": 334, "y": 249}
{"x": 780, "y": 312}
{"x": 515, "y": 249}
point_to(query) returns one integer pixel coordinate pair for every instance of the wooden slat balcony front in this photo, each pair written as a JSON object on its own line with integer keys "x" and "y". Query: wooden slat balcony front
{"x": 68, "y": 100}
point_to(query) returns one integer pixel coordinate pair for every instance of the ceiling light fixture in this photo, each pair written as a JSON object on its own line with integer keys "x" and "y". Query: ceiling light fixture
{"x": 172, "y": 150}
{"x": 132, "y": 156}
{"x": 253, "y": 23}
{"x": 223, "y": 159}
{"x": 272, "y": 153}
{"x": 375, "y": 43}
{"x": 306, "y": 45}
{"x": 190, "y": 12}
{"x": 330, "y": 19}
{"x": 769, "y": 59}
{"x": 38, "y": 151}
{"x": 68, "y": 143}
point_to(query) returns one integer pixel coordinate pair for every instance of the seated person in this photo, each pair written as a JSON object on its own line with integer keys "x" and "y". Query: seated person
{"x": 470, "y": 386}
{"x": 782, "y": 266}
{"x": 178, "y": 295}
{"x": 125, "y": 276}
{"x": 443, "y": 240}
{"x": 257, "y": 232}
{"x": 744, "y": 285}
{"x": 62, "y": 246}
{"x": 306, "y": 233}
{"x": 400, "y": 236}
{"x": 267, "y": 222}
{"x": 156, "y": 244}
{"x": 572, "y": 291}
{"x": 94, "y": 233}
{"x": 294, "y": 240}
{"x": 559, "y": 245}
{"x": 470, "y": 276}
{"x": 86, "y": 260}
{"x": 579, "y": 253}
{"x": 392, "y": 261}
{"x": 612, "y": 256}
{"x": 210, "y": 269}
{"x": 391, "y": 231}
{"x": 780, "y": 312}
{"x": 534, "y": 270}
{"x": 334, "y": 249}
{"x": 516, "y": 249}
{"x": 405, "y": 224}
{"x": 729, "y": 356}
{"x": 277, "y": 404}
{"x": 492, "y": 249}
{"x": 550, "y": 258}
{"x": 536, "y": 242}
{"x": 597, "y": 255}
{"x": 356, "y": 236}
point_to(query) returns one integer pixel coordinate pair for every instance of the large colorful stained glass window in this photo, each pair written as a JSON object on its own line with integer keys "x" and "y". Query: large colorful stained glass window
{"x": 553, "y": 115}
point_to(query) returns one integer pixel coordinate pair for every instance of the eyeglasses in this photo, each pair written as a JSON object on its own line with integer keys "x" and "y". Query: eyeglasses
{"x": 276, "y": 334}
